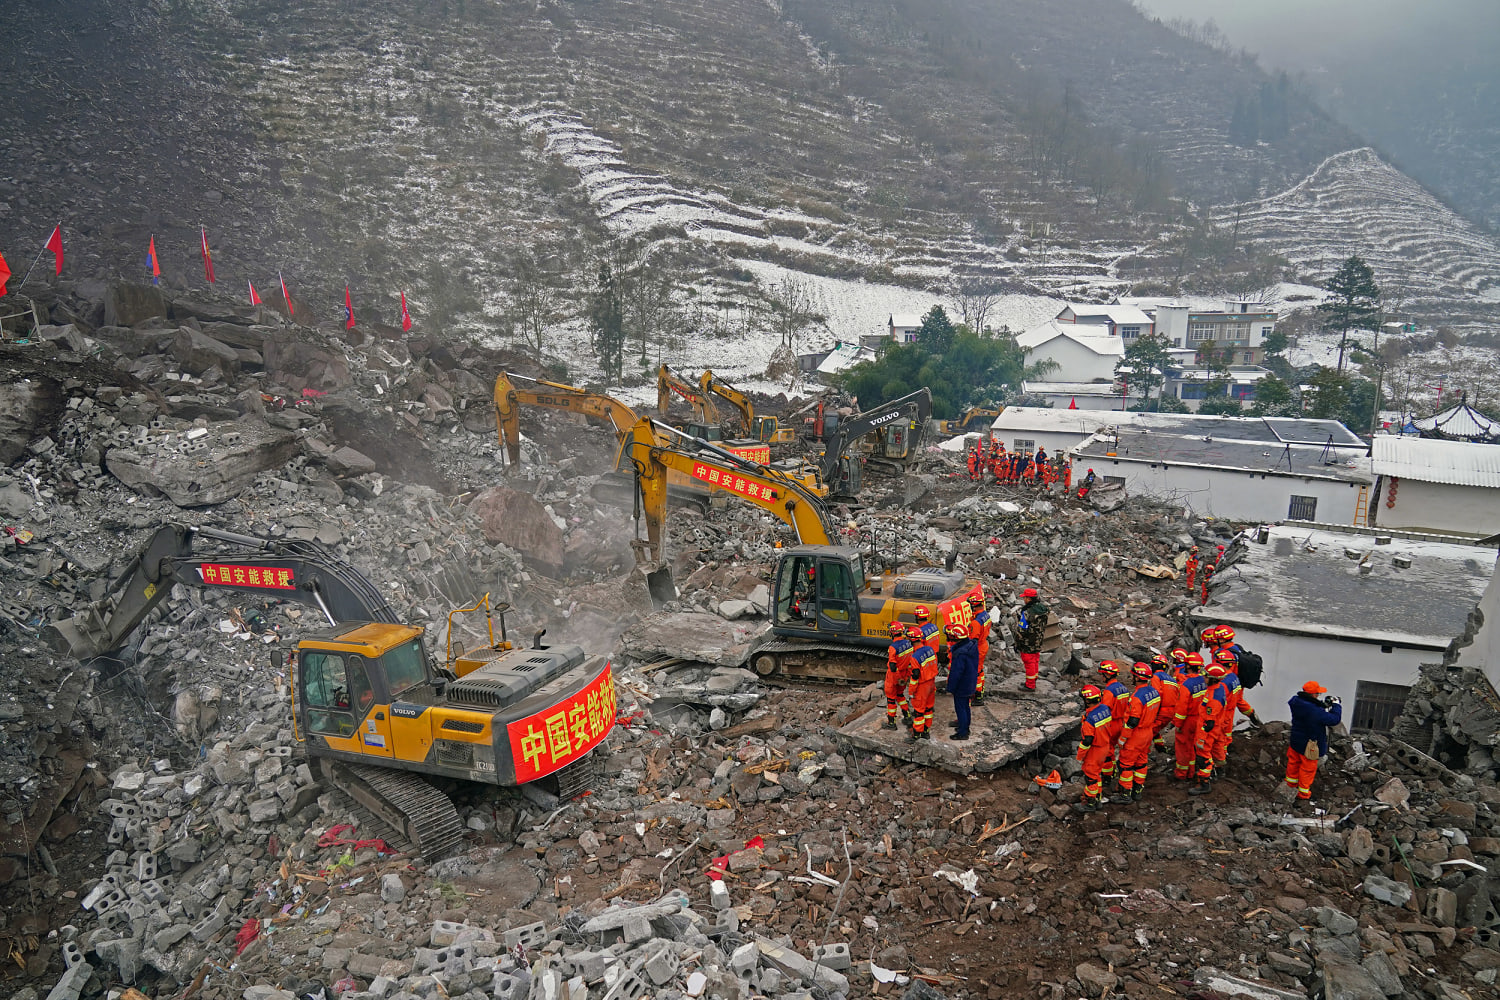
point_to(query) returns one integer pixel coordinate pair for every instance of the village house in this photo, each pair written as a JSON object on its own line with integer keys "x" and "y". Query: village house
{"x": 1426, "y": 484}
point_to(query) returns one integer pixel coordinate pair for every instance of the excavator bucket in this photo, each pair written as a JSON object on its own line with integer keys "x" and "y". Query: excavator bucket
{"x": 661, "y": 585}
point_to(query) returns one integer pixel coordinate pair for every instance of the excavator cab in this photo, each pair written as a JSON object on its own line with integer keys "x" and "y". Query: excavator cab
{"x": 817, "y": 591}
{"x": 704, "y": 432}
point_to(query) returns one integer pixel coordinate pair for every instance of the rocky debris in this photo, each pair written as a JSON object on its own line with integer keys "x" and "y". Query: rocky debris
{"x": 1451, "y": 715}
{"x": 515, "y": 519}
{"x": 202, "y": 466}
{"x": 694, "y": 636}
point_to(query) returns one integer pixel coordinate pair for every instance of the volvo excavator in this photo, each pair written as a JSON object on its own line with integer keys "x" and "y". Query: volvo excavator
{"x": 829, "y": 616}
{"x": 371, "y": 709}
{"x": 899, "y": 427}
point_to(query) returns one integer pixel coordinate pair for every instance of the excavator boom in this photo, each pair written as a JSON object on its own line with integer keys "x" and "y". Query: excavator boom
{"x": 711, "y": 384}
{"x": 915, "y": 407}
{"x": 219, "y": 560}
{"x": 669, "y": 382}
{"x": 513, "y": 391}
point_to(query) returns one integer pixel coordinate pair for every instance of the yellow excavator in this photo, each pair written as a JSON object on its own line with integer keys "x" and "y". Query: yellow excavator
{"x": 705, "y": 423}
{"x": 829, "y": 617}
{"x": 762, "y": 428}
{"x": 375, "y": 713}
{"x": 513, "y": 391}
{"x": 975, "y": 418}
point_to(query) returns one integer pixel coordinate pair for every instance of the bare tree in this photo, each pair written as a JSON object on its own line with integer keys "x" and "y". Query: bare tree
{"x": 975, "y": 295}
{"x": 535, "y": 297}
{"x": 793, "y": 307}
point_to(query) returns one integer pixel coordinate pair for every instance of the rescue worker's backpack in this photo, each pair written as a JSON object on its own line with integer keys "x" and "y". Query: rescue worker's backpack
{"x": 1250, "y": 666}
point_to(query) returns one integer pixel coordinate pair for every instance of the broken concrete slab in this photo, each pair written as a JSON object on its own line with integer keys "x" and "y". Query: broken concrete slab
{"x": 1003, "y": 729}
{"x": 518, "y": 521}
{"x": 211, "y": 469}
{"x": 1218, "y": 981}
{"x": 691, "y": 635}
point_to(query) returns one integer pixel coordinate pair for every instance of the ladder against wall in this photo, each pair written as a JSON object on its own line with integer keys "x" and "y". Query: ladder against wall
{"x": 1362, "y": 507}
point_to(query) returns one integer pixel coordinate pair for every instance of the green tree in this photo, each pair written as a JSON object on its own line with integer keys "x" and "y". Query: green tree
{"x": 1353, "y": 301}
{"x": 1220, "y": 404}
{"x": 1275, "y": 347}
{"x": 607, "y": 323}
{"x": 1273, "y": 398}
{"x": 973, "y": 370}
{"x": 1336, "y": 395}
{"x": 937, "y": 330}
{"x": 1144, "y": 367}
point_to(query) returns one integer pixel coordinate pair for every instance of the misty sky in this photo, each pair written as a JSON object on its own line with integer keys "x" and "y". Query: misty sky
{"x": 1313, "y": 34}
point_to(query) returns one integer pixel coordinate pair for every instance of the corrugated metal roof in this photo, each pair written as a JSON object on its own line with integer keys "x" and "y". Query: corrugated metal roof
{"x": 1455, "y": 463}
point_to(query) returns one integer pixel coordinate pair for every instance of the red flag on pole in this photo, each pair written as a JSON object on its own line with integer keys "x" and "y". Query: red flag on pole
{"x": 54, "y": 243}
{"x": 1073, "y": 403}
{"x": 208, "y": 260}
{"x": 254, "y": 298}
{"x": 405, "y": 316}
{"x": 285, "y": 295}
{"x": 152, "y": 262}
{"x": 4, "y": 274}
{"x": 348, "y": 310}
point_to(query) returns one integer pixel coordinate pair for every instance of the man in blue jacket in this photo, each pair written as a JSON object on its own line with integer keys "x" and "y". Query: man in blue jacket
{"x": 963, "y": 675}
{"x": 1311, "y": 718}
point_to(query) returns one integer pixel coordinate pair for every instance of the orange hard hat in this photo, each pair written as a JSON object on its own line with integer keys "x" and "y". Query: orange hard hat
{"x": 1194, "y": 660}
{"x": 1141, "y": 671}
{"x": 1179, "y": 654}
{"x": 1216, "y": 670}
{"x": 1313, "y": 687}
{"x": 922, "y": 613}
{"x": 1091, "y": 693}
{"x": 1109, "y": 668}
{"x": 956, "y": 630}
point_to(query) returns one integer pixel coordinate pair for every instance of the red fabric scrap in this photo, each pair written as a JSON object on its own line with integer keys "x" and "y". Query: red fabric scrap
{"x": 335, "y": 838}
{"x": 249, "y": 931}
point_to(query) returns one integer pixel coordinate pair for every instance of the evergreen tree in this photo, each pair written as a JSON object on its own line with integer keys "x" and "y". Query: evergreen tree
{"x": 1353, "y": 301}
{"x": 1144, "y": 367}
{"x": 936, "y": 331}
{"x": 607, "y": 323}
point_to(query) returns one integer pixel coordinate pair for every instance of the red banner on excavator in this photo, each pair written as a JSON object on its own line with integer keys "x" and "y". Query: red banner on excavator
{"x": 562, "y": 733}
{"x": 724, "y": 479}
{"x": 228, "y": 575}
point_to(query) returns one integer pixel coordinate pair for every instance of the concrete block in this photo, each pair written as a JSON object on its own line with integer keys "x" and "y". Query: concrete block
{"x": 446, "y": 932}
{"x": 662, "y": 967}
{"x": 728, "y": 920}
{"x": 208, "y": 926}
{"x": 636, "y": 929}
{"x": 718, "y": 894}
{"x": 71, "y": 955}
{"x": 833, "y": 956}
{"x": 511, "y": 985}
{"x": 627, "y": 987}
{"x": 528, "y": 936}
{"x": 71, "y": 984}
{"x": 799, "y": 966}
{"x": 1442, "y": 906}
{"x": 744, "y": 960}
{"x": 145, "y": 867}
{"x": 1387, "y": 890}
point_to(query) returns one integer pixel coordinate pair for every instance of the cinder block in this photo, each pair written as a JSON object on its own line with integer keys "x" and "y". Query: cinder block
{"x": 208, "y": 926}
{"x": 71, "y": 955}
{"x": 627, "y": 987}
{"x": 145, "y": 867}
{"x": 718, "y": 894}
{"x": 661, "y": 967}
{"x": 832, "y": 956}
{"x": 528, "y": 936}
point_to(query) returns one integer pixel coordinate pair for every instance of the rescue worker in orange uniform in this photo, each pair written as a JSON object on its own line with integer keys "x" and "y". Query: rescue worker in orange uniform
{"x": 898, "y": 663}
{"x": 1095, "y": 745}
{"x": 1309, "y": 736}
{"x": 1215, "y": 708}
{"x": 1236, "y": 702}
{"x": 1189, "y": 717}
{"x": 1170, "y": 689}
{"x": 929, "y": 631}
{"x": 979, "y": 631}
{"x": 1141, "y": 709}
{"x": 922, "y": 689}
{"x": 999, "y": 463}
{"x": 1112, "y": 692}
{"x": 1190, "y": 568}
{"x": 976, "y": 456}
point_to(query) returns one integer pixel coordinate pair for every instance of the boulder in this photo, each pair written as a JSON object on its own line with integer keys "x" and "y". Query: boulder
{"x": 126, "y": 304}
{"x": 518, "y": 521}
{"x": 25, "y": 406}
{"x": 1347, "y": 981}
{"x": 198, "y": 352}
{"x": 1096, "y": 981}
{"x": 691, "y": 635}
{"x": 233, "y": 454}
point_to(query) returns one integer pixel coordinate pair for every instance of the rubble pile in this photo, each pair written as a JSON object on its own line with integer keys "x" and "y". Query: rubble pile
{"x": 161, "y": 828}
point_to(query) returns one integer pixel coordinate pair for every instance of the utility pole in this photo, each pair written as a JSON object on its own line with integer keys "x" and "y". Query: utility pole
{"x": 1379, "y": 379}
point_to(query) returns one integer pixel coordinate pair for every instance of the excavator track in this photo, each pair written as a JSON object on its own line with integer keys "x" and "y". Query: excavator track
{"x": 404, "y": 802}
{"x": 821, "y": 662}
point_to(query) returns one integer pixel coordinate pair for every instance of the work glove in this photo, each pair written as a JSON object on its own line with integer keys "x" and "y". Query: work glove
{"x": 1254, "y": 720}
{"x": 1208, "y": 725}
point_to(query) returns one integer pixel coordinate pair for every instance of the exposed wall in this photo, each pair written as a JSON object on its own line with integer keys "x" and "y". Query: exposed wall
{"x": 1461, "y": 510}
{"x": 1241, "y": 496}
{"x": 1482, "y": 649}
{"x": 1291, "y": 661}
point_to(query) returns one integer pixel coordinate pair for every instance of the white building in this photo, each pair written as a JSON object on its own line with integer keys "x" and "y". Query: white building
{"x": 1080, "y": 395}
{"x": 1239, "y": 468}
{"x": 1242, "y": 325}
{"x": 1191, "y": 385}
{"x": 1354, "y": 610}
{"x": 1081, "y": 353}
{"x": 1124, "y": 321}
{"x": 1025, "y": 428}
{"x": 1451, "y": 487}
{"x": 903, "y": 327}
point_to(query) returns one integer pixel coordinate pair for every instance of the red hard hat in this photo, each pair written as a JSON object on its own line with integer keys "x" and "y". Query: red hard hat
{"x": 1141, "y": 671}
{"x": 1179, "y": 654}
{"x": 1226, "y": 634}
{"x": 1226, "y": 657}
{"x": 1160, "y": 660}
{"x": 914, "y": 631}
{"x": 1208, "y": 634}
{"x": 957, "y": 631}
{"x": 896, "y": 628}
{"x": 977, "y": 598}
{"x": 922, "y": 612}
{"x": 1029, "y": 592}
{"x": 1091, "y": 693}
{"x": 1216, "y": 670}
{"x": 1109, "y": 668}
{"x": 1194, "y": 660}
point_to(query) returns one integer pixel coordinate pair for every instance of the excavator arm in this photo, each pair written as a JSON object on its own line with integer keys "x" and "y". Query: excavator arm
{"x": 711, "y": 384}
{"x": 514, "y": 391}
{"x": 668, "y": 382}
{"x": 916, "y": 406}
{"x": 653, "y": 448}
{"x": 304, "y": 572}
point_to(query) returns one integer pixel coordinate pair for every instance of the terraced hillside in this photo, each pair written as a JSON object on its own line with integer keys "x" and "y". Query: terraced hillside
{"x": 395, "y": 146}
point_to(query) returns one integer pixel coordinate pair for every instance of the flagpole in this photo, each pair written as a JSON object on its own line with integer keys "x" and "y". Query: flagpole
{"x": 34, "y": 262}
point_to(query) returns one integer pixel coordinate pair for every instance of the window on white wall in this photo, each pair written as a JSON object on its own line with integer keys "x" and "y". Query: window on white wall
{"x": 1377, "y": 706}
{"x": 1302, "y": 509}
{"x": 1025, "y": 446}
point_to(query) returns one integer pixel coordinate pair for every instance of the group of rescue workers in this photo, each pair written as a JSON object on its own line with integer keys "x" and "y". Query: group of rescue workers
{"x": 1194, "y": 694}
{"x": 912, "y": 661}
{"x": 990, "y": 457}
